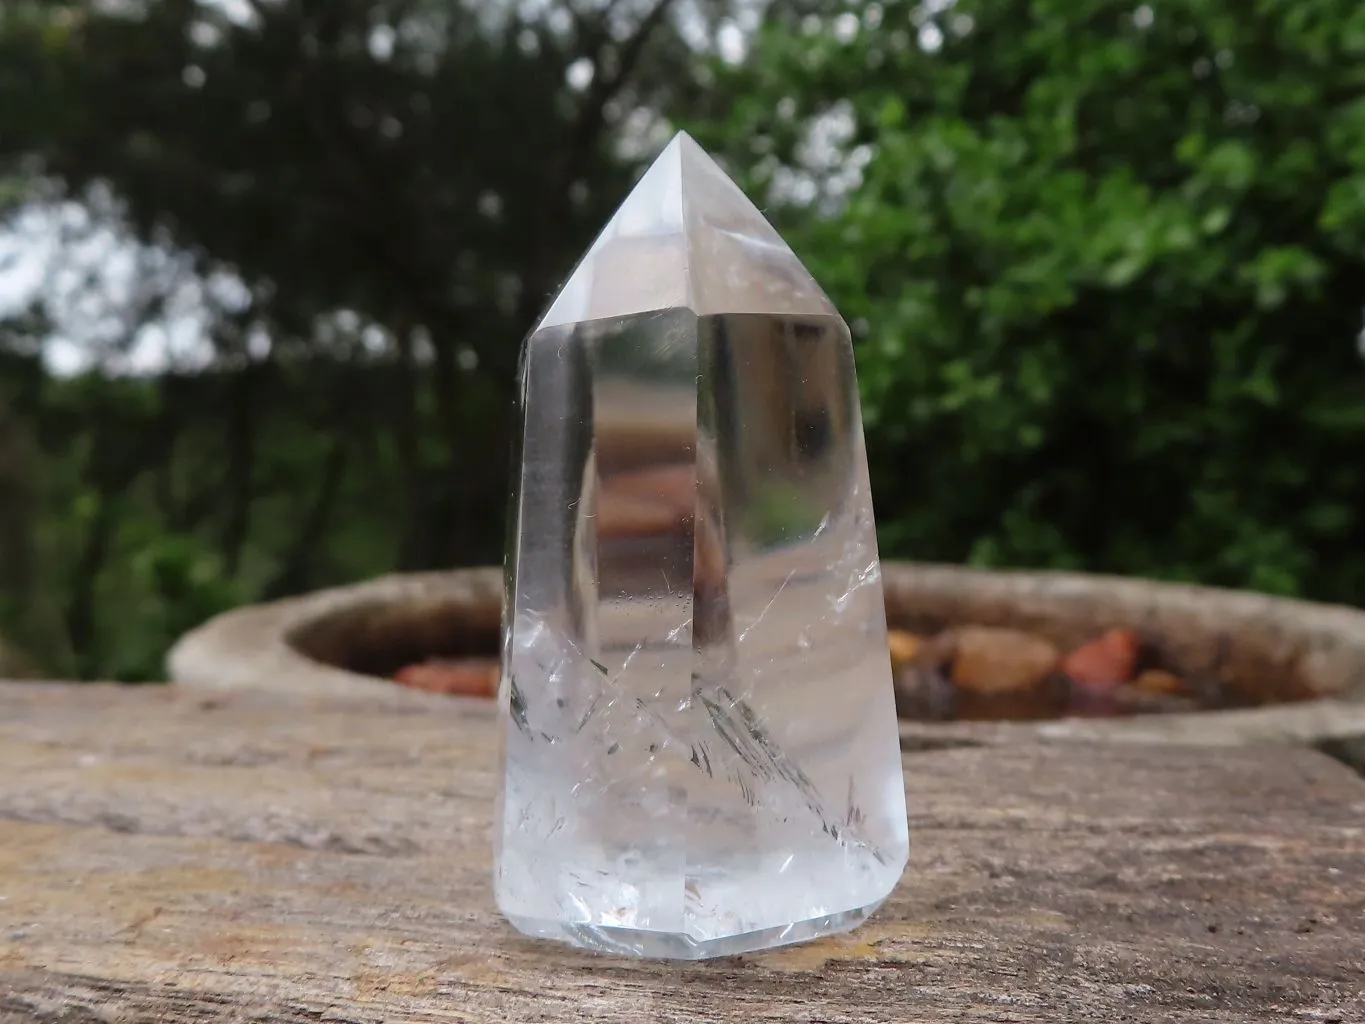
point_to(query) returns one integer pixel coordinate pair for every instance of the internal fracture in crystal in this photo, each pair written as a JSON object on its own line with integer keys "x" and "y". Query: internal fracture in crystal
{"x": 700, "y": 749}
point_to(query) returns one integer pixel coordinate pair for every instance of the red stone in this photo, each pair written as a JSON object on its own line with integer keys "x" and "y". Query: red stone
{"x": 471, "y": 677}
{"x": 1105, "y": 662}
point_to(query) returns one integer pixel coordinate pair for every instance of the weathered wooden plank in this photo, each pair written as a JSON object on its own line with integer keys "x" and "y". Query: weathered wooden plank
{"x": 166, "y": 857}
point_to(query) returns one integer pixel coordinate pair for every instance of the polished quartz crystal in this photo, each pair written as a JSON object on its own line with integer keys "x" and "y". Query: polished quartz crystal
{"x": 700, "y": 744}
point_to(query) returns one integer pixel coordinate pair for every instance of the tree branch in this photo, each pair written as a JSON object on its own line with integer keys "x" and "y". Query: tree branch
{"x": 592, "y": 31}
{"x": 584, "y": 136}
{"x": 592, "y": 115}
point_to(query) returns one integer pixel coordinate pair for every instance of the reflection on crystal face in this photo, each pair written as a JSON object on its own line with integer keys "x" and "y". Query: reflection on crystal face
{"x": 701, "y": 754}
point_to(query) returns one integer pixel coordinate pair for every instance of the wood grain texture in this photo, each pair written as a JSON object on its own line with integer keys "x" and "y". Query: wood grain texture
{"x": 173, "y": 856}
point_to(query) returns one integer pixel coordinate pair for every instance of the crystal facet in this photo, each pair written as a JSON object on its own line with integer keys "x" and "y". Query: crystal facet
{"x": 700, "y": 744}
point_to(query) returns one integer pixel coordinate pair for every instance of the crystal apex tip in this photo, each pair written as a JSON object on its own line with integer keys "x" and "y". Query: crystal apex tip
{"x": 687, "y": 237}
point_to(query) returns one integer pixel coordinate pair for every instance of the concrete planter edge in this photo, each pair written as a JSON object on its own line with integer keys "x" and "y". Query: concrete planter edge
{"x": 261, "y": 647}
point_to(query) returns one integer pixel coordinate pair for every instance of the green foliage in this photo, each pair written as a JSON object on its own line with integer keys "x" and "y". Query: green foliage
{"x": 393, "y": 186}
{"x": 1107, "y": 263}
{"x": 174, "y": 584}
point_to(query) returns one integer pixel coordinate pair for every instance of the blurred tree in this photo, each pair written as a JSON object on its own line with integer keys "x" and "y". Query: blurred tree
{"x": 15, "y": 511}
{"x": 18, "y": 586}
{"x": 1106, "y": 263}
{"x": 425, "y": 166}
{"x": 358, "y": 208}
{"x": 1104, "y": 260}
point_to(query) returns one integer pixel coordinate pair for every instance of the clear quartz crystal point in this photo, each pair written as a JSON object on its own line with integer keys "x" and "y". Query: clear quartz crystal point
{"x": 700, "y": 744}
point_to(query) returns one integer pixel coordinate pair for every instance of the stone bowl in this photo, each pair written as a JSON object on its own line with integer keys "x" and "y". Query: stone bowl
{"x": 1302, "y": 663}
